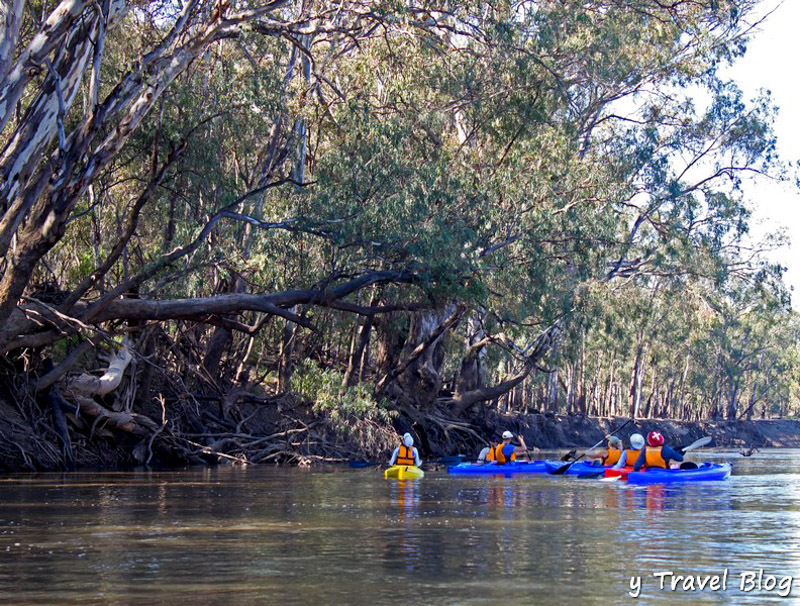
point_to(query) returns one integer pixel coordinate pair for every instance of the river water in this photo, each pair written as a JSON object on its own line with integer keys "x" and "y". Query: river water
{"x": 347, "y": 536}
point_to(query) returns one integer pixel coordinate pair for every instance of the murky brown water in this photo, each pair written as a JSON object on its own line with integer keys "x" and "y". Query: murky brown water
{"x": 344, "y": 536}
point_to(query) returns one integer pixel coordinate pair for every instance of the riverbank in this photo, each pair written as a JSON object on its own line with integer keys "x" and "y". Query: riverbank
{"x": 561, "y": 431}
{"x": 289, "y": 431}
{"x": 551, "y": 432}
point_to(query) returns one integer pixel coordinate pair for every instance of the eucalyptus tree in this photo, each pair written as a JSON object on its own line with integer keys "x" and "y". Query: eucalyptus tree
{"x": 470, "y": 164}
{"x": 546, "y": 149}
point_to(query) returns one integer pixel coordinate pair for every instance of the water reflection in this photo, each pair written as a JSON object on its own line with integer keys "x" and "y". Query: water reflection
{"x": 329, "y": 536}
{"x": 404, "y": 498}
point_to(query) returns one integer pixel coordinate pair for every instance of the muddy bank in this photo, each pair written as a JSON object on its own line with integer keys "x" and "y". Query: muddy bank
{"x": 554, "y": 431}
{"x": 289, "y": 431}
{"x": 550, "y": 432}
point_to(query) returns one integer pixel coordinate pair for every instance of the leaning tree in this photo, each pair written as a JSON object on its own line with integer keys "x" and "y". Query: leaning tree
{"x": 188, "y": 173}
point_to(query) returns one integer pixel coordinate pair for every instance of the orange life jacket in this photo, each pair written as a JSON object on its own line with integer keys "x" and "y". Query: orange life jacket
{"x": 501, "y": 458}
{"x": 490, "y": 454}
{"x": 653, "y": 458}
{"x": 631, "y": 456}
{"x": 612, "y": 457}
{"x": 405, "y": 456}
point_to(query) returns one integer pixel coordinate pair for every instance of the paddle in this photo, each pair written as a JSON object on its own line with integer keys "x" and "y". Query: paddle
{"x": 361, "y": 464}
{"x": 452, "y": 459}
{"x": 570, "y": 455}
{"x": 561, "y": 470}
{"x": 525, "y": 446}
{"x": 696, "y": 444}
{"x": 684, "y": 449}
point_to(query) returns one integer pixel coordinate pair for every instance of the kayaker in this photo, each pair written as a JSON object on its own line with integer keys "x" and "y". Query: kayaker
{"x": 657, "y": 454}
{"x": 506, "y": 452}
{"x": 629, "y": 456}
{"x": 406, "y": 454}
{"x": 610, "y": 455}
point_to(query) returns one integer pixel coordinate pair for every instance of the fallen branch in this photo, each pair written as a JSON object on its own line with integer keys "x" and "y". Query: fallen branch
{"x": 59, "y": 371}
{"x": 88, "y": 385}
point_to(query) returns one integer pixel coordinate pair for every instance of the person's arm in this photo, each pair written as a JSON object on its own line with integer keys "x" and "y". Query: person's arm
{"x": 523, "y": 447}
{"x": 394, "y": 456}
{"x": 622, "y": 458}
{"x": 597, "y": 454}
{"x": 668, "y": 453}
{"x": 417, "y": 460}
{"x": 483, "y": 454}
{"x": 640, "y": 461}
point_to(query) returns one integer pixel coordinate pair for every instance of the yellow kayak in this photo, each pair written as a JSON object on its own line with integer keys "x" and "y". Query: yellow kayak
{"x": 403, "y": 472}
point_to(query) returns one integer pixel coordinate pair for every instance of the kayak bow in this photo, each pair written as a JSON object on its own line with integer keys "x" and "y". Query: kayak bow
{"x": 403, "y": 472}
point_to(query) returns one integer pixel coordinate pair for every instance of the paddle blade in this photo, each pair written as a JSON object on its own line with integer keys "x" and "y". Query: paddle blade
{"x": 562, "y": 470}
{"x": 453, "y": 459}
{"x": 697, "y": 444}
{"x": 592, "y": 475}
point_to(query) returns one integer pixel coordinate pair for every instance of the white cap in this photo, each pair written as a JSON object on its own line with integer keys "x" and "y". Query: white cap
{"x": 507, "y": 435}
{"x": 408, "y": 440}
{"x": 637, "y": 441}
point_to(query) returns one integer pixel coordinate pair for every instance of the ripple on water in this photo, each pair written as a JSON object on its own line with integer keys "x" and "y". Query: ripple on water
{"x": 301, "y": 537}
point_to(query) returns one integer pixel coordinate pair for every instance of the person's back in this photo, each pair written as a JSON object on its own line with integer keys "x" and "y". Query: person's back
{"x": 606, "y": 456}
{"x": 657, "y": 454}
{"x": 613, "y": 456}
{"x": 505, "y": 453}
{"x": 629, "y": 457}
{"x": 406, "y": 454}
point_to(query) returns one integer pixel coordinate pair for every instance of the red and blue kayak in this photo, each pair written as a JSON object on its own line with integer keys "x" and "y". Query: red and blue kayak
{"x": 577, "y": 468}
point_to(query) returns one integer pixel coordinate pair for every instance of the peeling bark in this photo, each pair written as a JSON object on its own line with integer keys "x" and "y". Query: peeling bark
{"x": 10, "y": 22}
{"x": 89, "y": 385}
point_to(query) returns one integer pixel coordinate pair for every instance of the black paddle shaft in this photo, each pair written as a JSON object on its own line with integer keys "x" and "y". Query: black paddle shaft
{"x": 561, "y": 470}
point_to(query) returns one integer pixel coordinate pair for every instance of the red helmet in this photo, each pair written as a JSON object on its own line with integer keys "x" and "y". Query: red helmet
{"x": 655, "y": 439}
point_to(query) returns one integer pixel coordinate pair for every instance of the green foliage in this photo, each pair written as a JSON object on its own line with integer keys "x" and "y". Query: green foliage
{"x": 508, "y": 159}
{"x": 344, "y": 406}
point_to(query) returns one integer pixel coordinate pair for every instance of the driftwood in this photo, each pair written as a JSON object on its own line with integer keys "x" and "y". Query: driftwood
{"x": 88, "y": 385}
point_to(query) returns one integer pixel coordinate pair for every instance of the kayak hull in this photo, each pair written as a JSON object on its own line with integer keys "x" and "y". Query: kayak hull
{"x": 403, "y": 472}
{"x": 616, "y": 473}
{"x": 707, "y": 472}
{"x": 495, "y": 469}
{"x": 577, "y": 468}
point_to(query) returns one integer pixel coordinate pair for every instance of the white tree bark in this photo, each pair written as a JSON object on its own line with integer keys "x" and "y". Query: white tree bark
{"x": 10, "y": 20}
{"x": 38, "y": 195}
{"x": 51, "y": 36}
{"x": 87, "y": 384}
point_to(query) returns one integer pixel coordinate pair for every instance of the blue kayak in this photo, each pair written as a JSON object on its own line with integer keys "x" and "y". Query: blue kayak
{"x": 706, "y": 472}
{"x": 577, "y": 468}
{"x": 494, "y": 468}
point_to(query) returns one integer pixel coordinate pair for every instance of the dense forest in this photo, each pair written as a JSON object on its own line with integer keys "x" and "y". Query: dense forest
{"x": 277, "y": 231}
